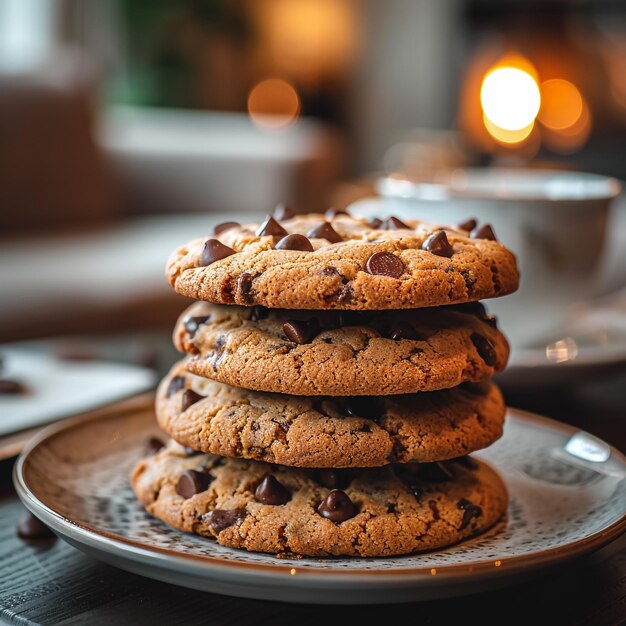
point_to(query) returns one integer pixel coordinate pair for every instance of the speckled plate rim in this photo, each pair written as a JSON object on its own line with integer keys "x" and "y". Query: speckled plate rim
{"x": 89, "y": 537}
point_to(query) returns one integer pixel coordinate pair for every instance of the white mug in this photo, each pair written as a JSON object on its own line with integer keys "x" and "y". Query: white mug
{"x": 554, "y": 222}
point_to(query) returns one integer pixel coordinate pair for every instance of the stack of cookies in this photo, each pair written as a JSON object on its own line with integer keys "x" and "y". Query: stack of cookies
{"x": 336, "y": 379}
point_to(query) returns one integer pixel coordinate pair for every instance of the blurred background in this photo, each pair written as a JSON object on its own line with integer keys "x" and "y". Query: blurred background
{"x": 128, "y": 127}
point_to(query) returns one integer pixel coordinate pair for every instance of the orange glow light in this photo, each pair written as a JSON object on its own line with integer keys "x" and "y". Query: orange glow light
{"x": 569, "y": 140}
{"x": 510, "y": 99}
{"x": 273, "y": 103}
{"x": 561, "y": 104}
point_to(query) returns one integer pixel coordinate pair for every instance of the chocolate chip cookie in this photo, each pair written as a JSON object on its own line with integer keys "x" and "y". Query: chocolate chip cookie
{"x": 328, "y": 432}
{"x": 342, "y": 262}
{"x": 369, "y": 512}
{"x": 341, "y": 352}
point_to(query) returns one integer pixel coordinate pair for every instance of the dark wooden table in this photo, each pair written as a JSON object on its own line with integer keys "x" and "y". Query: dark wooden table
{"x": 57, "y": 584}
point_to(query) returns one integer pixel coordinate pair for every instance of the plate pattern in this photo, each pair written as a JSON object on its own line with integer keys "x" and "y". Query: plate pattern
{"x": 556, "y": 499}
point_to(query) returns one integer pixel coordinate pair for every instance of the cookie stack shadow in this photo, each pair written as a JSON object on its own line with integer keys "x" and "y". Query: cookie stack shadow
{"x": 336, "y": 378}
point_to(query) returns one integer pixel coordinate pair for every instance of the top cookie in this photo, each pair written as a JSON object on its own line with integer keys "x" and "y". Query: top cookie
{"x": 342, "y": 262}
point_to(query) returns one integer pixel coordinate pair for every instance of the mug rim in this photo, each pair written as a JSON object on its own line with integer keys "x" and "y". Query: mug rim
{"x": 549, "y": 185}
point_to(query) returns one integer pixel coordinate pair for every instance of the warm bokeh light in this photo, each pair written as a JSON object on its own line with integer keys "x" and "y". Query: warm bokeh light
{"x": 508, "y": 136}
{"x": 310, "y": 39}
{"x": 561, "y": 104}
{"x": 510, "y": 98}
{"x": 273, "y": 103}
{"x": 569, "y": 140}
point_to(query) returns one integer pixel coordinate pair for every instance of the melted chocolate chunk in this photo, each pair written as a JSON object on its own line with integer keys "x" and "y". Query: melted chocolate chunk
{"x": 330, "y": 213}
{"x": 176, "y": 384}
{"x": 258, "y": 313}
{"x": 403, "y": 330}
{"x": 438, "y": 244}
{"x": 434, "y": 472}
{"x": 385, "y": 264}
{"x": 484, "y": 232}
{"x": 193, "y": 323}
{"x": 220, "y": 519}
{"x": 270, "y": 227}
{"x": 467, "y": 225}
{"x": 294, "y": 242}
{"x": 485, "y": 349}
{"x": 393, "y": 223}
{"x": 337, "y": 507}
{"x": 325, "y": 231}
{"x": 192, "y": 482}
{"x": 8, "y": 386}
{"x": 283, "y": 212}
{"x": 213, "y": 251}
{"x": 299, "y": 331}
{"x": 31, "y": 527}
{"x": 375, "y": 223}
{"x": 470, "y": 511}
{"x": 153, "y": 445}
{"x": 344, "y": 294}
{"x": 190, "y": 397}
{"x": 271, "y": 491}
{"x": 220, "y": 228}
{"x": 244, "y": 283}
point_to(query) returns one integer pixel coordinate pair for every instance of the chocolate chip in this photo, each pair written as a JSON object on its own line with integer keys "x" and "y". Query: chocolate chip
{"x": 294, "y": 242}
{"x": 271, "y": 491}
{"x": 192, "y": 482}
{"x": 258, "y": 313}
{"x": 403, "y": 330}
{"x": 220, "y": 228}
{"x": 299, "y": 331}
{"x": 330, "y": 213}
{"x": 337, "y": 507}
{"x": 220, "y": 519}
{"x": 438, "y": 244}
{"x": 11, "y": 386}
{"x": 244, "y": 283}
{"x": 176, "y": 384}
{"x": 193, "y": 323}
{"x": 325, "y": 231}
{"x": 467, "y": 225}
{"x": 31, "y": 527}
{"x": 375, "y": 223}
{"x": 363, "y": 407}
{"x": 485, "y": 349}
{"x": 153, "y": 445}
{"x": 344, "y": 294}
{"x": 333, "y": 478}
{"x": 434, "y": 473}
{"x": 393, "y": 223}
{"x": 385, "y": 264}
{"x": 484, "y": 232}
{"x": 283, "y": 212}
{"x": 270, "y": 227}
{"x": 466, "y": 461}
{"x": 214, "y": 250}
{"x": 470, "y": 511}
{"x": 190, "y": 397}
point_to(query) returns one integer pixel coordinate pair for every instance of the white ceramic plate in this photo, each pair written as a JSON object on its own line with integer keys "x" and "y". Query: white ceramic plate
{"x": 568, "y": 497}
{"x": 58, "y": 388}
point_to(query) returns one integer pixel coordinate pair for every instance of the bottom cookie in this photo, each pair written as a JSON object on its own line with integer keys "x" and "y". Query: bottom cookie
{"x": 396, "y": 509}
